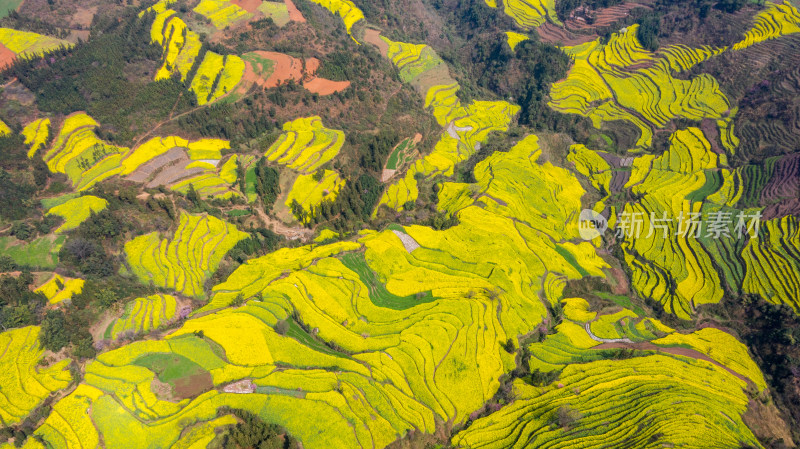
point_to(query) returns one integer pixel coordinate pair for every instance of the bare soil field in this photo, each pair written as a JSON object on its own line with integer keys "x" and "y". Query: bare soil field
{"x": 290, "y": 68}
{"x": 294, "y": 13}
{"x": 602, "y": 17}
{"x": 247, "y": 5}
{"x": 373, "y": 36}
{"x": 554, "y": 34}
{"x": 6, "y": 56}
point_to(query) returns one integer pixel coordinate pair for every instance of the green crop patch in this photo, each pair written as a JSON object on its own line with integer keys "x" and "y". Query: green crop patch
{"x": 377, "y": 290}
{"x": 170, "y": 368}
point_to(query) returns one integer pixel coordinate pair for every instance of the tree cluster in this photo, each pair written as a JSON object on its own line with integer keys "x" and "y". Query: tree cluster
{"x": 19, "y": 305}
{"x": 253, "y": 433}
{"x": 96, "y": 76}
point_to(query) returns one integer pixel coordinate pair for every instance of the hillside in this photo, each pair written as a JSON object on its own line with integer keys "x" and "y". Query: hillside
{"x": 399, "y": 224}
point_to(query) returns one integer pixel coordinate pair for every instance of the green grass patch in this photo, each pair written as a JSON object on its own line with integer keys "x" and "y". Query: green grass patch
{"x": 398, "y": 155}
{"x": 169, "y": 367}
{"x": 261, "y": 65}
{"x": 238, "y": 213}
{"x": 250, "y": 183}
{"x": 39, "y": 253}
{"x": 571, "y": 260}
{"x": 377, "y": 291}
{"x": 622, "y": 301}
{"x": 280, "y": 391}
{"x": 277, "y": 11}
{"x": 300, "y": 334}
{"x": 109, "y": 330}
{"x": 6, "y": 6}
{"x": 49, "y": 203}
{"x": 713, "y": 183}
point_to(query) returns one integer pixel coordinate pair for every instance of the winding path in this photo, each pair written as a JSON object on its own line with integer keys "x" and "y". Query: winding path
{"x": 604, "y": 340}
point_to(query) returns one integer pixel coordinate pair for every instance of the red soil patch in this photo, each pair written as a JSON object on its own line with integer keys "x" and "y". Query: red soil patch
{"x": 7, "y": 56}
{"x": 286, "y": 68}
{"x": 372, "y": 36}
{"x": 250, "y": 6}
{"x": 289, "y": 68}
{"x": 323, "y": 86}
{"x": 294, "y": 13}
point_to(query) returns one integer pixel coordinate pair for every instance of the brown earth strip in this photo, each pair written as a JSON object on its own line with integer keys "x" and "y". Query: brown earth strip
{"x": 324, "y": 86}
{"x": 294, "y": 13}
{"x": 553, "y": 34}
{"x": 250, "y": 6}
{"x": 290, "y": 68}
{"x": 602, "y": 17}
{"x": 373, "y": 36}
{"x": 686, "y": 352}
{"x": 7, "y": 56}
{"x": 278, "y": 227}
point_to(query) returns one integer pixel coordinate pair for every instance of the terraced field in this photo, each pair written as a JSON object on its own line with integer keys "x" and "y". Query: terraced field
{"x": 58, "y": 288}
{"x": 412, "y": 60}
{"x": 620, "y": 80}
{"x": 23, "y": 382}
{"x": 41, "y": 252}
{"x": 36, "y": 133}
{"x": 773, "y": 265}
{"x": 217, "y": 75}
{"x": 309, "y": 193}
{"x": 669, "y": 185}
{"x": 186, "y": 259}
{"x": 77, "y": 210}
{"x": 81, "y": 155}
{"x": 674, "y": 259}
{"x": 305, "y": 145}
{"x": 675, "y": 394}
{"x": 25, "y": 44}
{"x": 221, "y": 13}
{"x": 776, "y": 20}
{"x": 408, "y": 330}
{"x": 529, "y": 13}
{"x": 464, "y": 127}
{"x": 168, "y": 161}
{"x": 401, "y": 301}
{"x": 514, "y": 39}
{"x": 346, "y": 9}
{"x": 400, "y": 154}
{"x": 142, "y": 315}
{"x": 230, "y": 76}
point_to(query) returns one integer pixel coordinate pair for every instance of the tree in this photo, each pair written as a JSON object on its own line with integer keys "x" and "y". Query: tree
{"x": 22, "y": 230}
{"x": 54, "y": 334}
{"x": 282, "y": 327}
{"x": 267, "y": 183}
{"x": 566, "y": 416}
{"x": 191, "y": 195}
{"x": 252, "y": 432}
